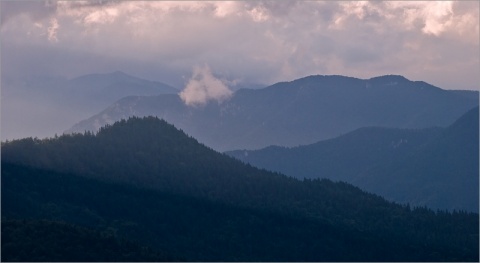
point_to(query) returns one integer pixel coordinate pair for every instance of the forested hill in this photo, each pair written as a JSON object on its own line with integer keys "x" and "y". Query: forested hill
{"x": 148, "y": 153}
{"x": 436, "y": 167}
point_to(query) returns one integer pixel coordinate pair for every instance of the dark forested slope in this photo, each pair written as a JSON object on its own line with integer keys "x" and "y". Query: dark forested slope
{"x": 148, "y": 153}
{"x": 50, "y": 241}
{"x": 190, "y": 228}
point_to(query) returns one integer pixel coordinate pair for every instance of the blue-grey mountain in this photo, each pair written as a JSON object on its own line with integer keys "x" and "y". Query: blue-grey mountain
{"x": 299, "y": 112}
{"x": 436, "y": 167}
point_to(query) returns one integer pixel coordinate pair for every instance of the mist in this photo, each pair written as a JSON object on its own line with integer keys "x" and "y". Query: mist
{"x": 204, "y": 87}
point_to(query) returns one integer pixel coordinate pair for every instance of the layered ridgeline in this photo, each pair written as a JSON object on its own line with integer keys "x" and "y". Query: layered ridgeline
{"x": 88, "y": 94}
{"x": 436, "y": 167}
{"x": 299, "y": 112}
{"x": 148, "y": 182}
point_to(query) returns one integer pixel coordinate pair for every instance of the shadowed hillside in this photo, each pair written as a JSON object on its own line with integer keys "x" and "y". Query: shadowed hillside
{"x": 157, "y": 186}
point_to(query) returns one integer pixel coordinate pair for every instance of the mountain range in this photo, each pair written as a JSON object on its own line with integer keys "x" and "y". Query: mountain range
{"x": 435, "y": 167}
{"x": 352, "y": 171}
{"x": 302, "y": 111}
{"x": 143, "y": 180}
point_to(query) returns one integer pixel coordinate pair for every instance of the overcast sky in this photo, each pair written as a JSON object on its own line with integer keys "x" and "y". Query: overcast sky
{"x": 256, "y": 42}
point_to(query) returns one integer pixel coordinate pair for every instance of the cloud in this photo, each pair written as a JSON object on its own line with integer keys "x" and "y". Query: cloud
{"x": 204, "y": 87}
{"x": 52, "y": 30}
{"x": 431, "y": 17}
{"x": 36, "y": 10}
{"x": 256, "y": 41}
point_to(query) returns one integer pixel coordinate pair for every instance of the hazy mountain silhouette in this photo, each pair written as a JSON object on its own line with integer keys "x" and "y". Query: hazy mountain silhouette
{"x": 98, "y": 90}
{"x": 298, "y": 112}
{"x": 43, "y": 106}
{"x": 433, "y": 167}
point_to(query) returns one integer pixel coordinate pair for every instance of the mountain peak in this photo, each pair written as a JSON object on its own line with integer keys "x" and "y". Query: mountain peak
{"x": 383, "y": 78}
{"x": 468, "y": 121}
{"x": 118, "y": 72}
{"x": 137, "y": 123}
{"x": 340, "y": 80}
{"x": 389, "y": 78}
{"x": 143, "y": 127}
{"x": 325, "y": 78}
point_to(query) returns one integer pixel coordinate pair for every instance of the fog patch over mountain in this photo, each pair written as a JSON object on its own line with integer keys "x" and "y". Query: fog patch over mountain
{"x": 204, "y": 87}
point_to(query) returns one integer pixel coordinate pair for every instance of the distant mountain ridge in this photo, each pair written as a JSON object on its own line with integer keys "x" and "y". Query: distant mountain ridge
{"x": 434, "y": 167}
{"x": 103, "y": 89}
{"x": 302, "y": 111}
{"x": 119, "y": 79}
{"x": 443, "y": 173}
{"x": 44, "y": 106}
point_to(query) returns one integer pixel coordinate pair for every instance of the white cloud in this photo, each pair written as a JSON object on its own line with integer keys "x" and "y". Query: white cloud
{"x": 36, "y": 10}
{"x": 204, "y": 87}
{"x": 103, "y": 16}
{"x": 432, "y": 17}
{"x": 52, "y": 30}
{"x": 226, "y": 8}
{"x": 438, "y": 17}
{"x": 258, "y": 14}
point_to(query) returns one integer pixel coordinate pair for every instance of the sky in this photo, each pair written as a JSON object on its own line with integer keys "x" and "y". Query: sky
{"x": 224, "y": 44}
{"x": 251, "y": 42}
